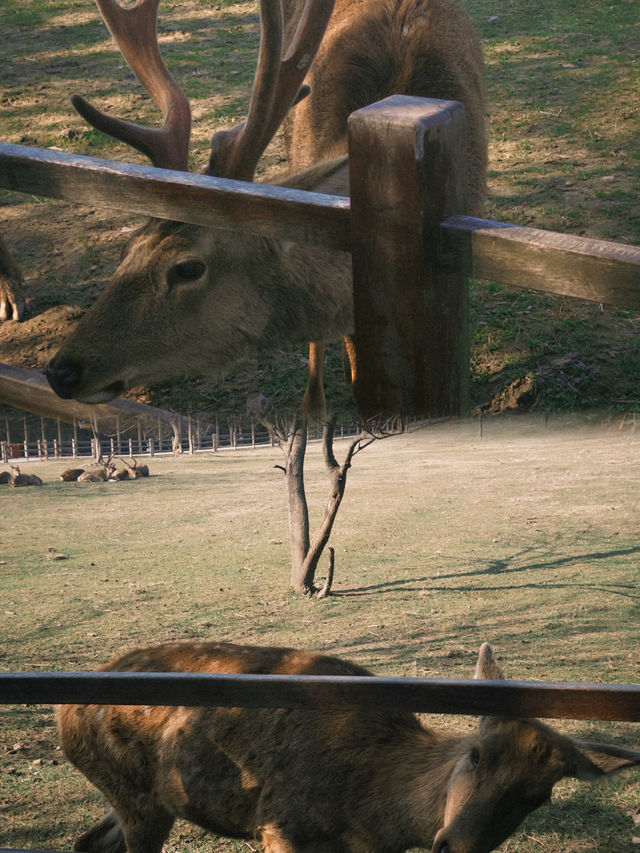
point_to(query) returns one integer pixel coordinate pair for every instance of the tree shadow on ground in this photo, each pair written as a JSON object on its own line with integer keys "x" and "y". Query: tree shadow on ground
{"x": 505, "y": 566}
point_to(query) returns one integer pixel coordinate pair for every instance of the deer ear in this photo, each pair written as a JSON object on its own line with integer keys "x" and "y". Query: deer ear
{"x": 488, "y": 667}
{"x": 597, "y": 760}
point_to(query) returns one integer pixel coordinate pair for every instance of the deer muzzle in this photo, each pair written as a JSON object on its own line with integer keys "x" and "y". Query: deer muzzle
{"x": 65, "y": 377}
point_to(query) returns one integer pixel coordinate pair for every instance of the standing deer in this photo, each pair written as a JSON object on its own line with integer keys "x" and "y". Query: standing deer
{"x": 300, "y": 781}
{"x": 189, "y": 300}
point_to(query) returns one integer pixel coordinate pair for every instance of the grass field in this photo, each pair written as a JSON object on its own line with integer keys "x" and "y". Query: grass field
{"x": 525, "y": 536}
{"x": 563, "y": 127}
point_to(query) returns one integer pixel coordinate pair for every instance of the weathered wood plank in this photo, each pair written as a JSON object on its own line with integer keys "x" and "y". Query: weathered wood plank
{"x": 29, "y": 390}
{"x": 279, "y": 212}
{"x": 597, "y": 270}
{"x": 506, "y": 698}
{"x": 407, "y": 161}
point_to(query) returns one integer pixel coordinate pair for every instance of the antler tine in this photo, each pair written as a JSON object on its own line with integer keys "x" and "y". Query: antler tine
{"x": 135, "y": 32}
{"x": 235, "y": 153}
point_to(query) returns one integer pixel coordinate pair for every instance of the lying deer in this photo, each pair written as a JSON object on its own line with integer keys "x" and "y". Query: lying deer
{"x": 188, "y": 300}
{"x": 18, "y": 479}
{"x": 363, "y": 780}
{"x": 98, "y": 473}
{"x": 71, "y": 475}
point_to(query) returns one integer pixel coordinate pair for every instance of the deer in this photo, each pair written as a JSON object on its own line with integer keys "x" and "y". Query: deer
{"x": 101, "y": 472}
{"x": 133, "y": 471}
{"x": 186, "y": 299}
{"x": 310, "y": 780}
{"x": 71, "y": 475}
{"x": 11, "y": 292}
{"x": 138, "y": 472}
{"x": 17, "y": 479}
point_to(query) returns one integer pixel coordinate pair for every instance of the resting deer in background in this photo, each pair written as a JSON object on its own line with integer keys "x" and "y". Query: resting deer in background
{"x": 302, "y": 781}
{"x": 98, "y": 473}
{"x": 189, "y": 300}
{"x": 18, "y": 479}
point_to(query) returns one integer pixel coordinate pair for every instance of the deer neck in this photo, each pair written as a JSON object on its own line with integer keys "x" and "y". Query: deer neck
{"x": 414, "y": 787}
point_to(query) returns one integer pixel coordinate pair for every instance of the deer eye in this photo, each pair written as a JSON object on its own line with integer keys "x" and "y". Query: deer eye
{"x": 474, "y": 757}
{"x": 186, "y": 271}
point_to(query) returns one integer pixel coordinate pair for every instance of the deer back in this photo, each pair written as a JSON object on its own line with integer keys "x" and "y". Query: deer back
{"x": 302, "y": 780}
{"x": 426, "y": 48}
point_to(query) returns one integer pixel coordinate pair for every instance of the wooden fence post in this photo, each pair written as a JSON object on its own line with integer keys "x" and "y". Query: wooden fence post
{"x": 407, "y": 163}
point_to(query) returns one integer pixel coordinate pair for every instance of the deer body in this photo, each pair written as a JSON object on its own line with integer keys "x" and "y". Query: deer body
{"x": 357, "y": 781}
{"x": 71, "y": 475}
{"x": 188, "y": 300}
{"x": 18, "y": 479}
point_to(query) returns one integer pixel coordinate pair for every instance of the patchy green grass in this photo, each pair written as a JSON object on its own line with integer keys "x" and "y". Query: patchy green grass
{"x": 525, "y": 536}
{"x": 564, "y": 125}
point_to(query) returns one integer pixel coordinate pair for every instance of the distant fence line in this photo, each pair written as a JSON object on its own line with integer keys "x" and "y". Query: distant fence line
{"x": 55, "y": 440}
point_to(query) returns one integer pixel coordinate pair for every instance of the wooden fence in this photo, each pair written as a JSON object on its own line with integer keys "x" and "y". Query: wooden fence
{"x": 412, "y": 247}
{"x": 447, "y": 696}
{"x": 412, "y": 252}
{"x": 45, "y": 439}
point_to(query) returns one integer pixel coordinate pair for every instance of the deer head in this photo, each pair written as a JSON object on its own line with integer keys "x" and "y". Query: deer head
{"x": 508, "y": 769}
{"x": 168, "y": 268}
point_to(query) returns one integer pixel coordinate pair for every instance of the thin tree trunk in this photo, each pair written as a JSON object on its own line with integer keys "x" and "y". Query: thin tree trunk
{"x": 338, "y": 479}
{"x": 298, "y": 509}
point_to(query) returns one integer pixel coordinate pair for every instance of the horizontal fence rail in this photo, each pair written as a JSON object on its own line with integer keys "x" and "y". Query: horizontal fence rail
{"x": 446, "y": 696}
{"x": 596, "y": 270}
{"x": 260, "y": 209}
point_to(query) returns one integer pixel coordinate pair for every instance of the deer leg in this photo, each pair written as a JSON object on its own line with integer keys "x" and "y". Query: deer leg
{"x": 148, "y": 832}
{"x": 11, "y": 296}
{"x": 313, "y": 402}
{"x": 105, "y": 837}
{"x": 145, "y": 833}
{"x": 350, "y": 359}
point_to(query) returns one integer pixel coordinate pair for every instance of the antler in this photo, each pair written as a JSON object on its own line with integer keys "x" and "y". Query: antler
{"x": 277, "y": 86}
{"x": 135, "y": 32}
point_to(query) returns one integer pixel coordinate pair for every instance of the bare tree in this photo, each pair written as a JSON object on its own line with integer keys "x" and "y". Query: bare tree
{"x": 306, "y": 550}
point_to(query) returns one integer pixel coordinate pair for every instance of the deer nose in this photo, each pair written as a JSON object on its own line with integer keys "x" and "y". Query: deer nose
{"x": 63, "y": 377}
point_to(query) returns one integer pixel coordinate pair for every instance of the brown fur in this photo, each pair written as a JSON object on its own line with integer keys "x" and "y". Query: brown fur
{"x": 11, "y": 292}
{"x": 98, "y": 473}
{"x": 18, "y": 479}
{"x": 376, "y": 48}
{"x": 329, "y": 781}
{"x": 256, "y": 294}
{"x": 70, "y": 475}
